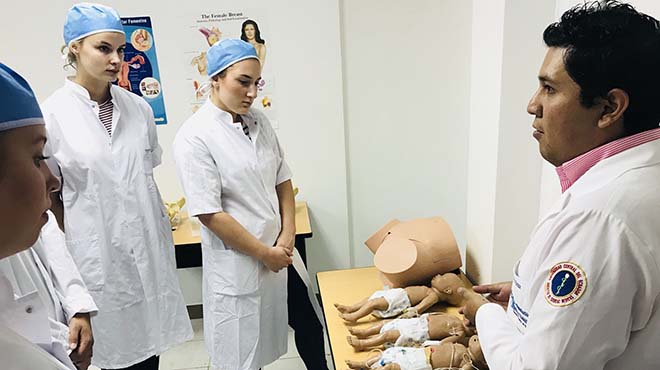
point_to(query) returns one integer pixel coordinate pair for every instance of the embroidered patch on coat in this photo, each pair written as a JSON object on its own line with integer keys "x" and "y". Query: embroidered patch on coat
{"x": 565, "y": 284}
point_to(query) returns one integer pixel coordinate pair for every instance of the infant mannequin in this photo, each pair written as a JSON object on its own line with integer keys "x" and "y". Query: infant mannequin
{"x": 444, "y": 356}
{"x": 412, "y": 300}
{"x": 411, "y": 332}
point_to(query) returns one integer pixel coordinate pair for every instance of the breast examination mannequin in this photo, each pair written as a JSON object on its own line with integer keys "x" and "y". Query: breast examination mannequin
{"x": 411, "y": 252}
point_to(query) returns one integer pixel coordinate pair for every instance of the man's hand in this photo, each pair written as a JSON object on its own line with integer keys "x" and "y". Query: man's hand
{"x": 497, "y": 293}
{"x": 472, "y": 303}
{"x": 81, "y": 340}
{"x": 287, "y": 241}
{"x": 277, "y": 258}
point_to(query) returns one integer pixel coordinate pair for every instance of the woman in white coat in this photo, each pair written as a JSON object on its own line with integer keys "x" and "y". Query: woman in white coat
{"x": 25, "y": 184}
{"x": 104, "y": 145}
{"x": 237, "y": 183}
{"x": 46, "y": 287}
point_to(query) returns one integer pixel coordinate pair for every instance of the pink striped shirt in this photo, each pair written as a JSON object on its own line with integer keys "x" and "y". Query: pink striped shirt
{"x": 572, "y": 170}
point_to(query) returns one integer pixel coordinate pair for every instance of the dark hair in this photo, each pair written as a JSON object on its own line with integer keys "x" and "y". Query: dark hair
{"x": 257, "y": 33}
{"x": 611, "y": 45}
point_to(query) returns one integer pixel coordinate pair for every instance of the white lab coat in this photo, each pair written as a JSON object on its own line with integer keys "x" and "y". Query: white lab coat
{"x": 41, "y": 290}
{"x": 607, "y": 224}
{"x": 116, "y": 226}
{"x": 18, "y": 353}
{"x": 221, "y": 170}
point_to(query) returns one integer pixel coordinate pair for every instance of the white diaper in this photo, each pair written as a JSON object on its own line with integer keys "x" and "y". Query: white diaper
{"x": 406, "y": 358}
{"x": 412, "y": 332}
{"x": 396, "y": 298}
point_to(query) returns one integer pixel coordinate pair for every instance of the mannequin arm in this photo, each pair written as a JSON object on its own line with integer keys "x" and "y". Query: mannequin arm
{"x": 426, "y": 303}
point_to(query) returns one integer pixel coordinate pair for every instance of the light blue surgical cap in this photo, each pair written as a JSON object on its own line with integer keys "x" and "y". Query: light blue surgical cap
{"x": 86, "y": 19}
{"x": 18, "y": 105}
{"x": 227, "y": 52}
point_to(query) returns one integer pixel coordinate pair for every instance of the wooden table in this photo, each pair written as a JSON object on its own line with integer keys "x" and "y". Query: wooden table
{"x": 187, "y": 239}
{"x": 347, "y": 287}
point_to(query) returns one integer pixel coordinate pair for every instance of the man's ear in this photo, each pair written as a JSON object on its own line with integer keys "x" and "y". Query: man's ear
{"x": 614, "y": 105}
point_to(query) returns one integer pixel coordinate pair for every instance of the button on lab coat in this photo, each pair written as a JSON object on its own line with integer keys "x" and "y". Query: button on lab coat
{"x": 41, "y": 290}
{"x": 221, "y": 170}
{"x": 116, "y": 226}
{"x": 607, "y": 225}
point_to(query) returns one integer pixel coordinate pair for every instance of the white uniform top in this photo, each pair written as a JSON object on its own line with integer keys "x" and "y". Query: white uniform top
{"x": 221, "y": 170}
{"x": 41, "y": 290}
{"x": 18, "y": 353}
{"x": 586, "y": 292}
{"x": 116, "y": 226}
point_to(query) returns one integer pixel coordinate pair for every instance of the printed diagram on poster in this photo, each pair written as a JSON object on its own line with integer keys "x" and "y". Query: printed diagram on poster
{"x": 207, "y": 28}
{"x": 139, "y": 70}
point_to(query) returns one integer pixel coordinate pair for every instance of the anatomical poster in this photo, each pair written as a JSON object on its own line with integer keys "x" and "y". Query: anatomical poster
{"x": 206, "y": 28}
{"x": 139, "y": 71}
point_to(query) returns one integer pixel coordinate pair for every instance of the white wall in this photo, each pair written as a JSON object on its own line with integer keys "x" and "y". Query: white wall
{"x": 504, "y": 164}
{"x": 486, "y": 82}
{"x": 406, "y": 85}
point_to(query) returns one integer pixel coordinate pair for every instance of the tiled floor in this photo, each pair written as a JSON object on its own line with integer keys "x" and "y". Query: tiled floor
{"x": 193, "y": 356}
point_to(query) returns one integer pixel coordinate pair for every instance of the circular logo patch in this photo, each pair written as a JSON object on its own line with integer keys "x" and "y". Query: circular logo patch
{"x": 565, "y": 284}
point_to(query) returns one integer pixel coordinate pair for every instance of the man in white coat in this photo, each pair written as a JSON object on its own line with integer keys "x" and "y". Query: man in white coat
{"x": 586, "y": 292}
{"x": 25, "y": 184}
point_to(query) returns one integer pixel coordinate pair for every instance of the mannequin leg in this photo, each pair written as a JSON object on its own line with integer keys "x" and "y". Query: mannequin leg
{"x": 366, "y": 309}
{"x": 352, "y": 308}
{"x": 367, "y": 332}
{"x": 357, "y": 365}
{"x": 390, "y": 366}
{"x": 389, "y": 336}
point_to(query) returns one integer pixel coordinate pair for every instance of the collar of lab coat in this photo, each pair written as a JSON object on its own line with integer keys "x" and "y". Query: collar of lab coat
{"x": 225, "y": 117}
{"x": 605, "y": 171}
{"x": 82, "y": 92}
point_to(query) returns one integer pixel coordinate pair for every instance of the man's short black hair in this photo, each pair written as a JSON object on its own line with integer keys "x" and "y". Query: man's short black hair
{"x": 611, "y": 45}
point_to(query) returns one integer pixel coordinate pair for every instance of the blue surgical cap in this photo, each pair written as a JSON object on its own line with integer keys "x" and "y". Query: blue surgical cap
{"x": 227, "y": 52}
{"x": 18, "y": 105}
{"x": 86, "y": 19}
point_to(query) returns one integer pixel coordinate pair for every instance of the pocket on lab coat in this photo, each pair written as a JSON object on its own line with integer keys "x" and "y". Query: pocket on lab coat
{"x": 86, "y": 252}
{"x": 148, "y": 162}
{"x": 233, "y": 273}
{"x": 148, "y": 166}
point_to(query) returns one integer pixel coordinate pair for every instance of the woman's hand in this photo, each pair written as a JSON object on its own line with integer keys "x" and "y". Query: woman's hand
{"x": 81, "y": 340}
{"x": 287, "y": 241}
{"x": 276, "y": 258}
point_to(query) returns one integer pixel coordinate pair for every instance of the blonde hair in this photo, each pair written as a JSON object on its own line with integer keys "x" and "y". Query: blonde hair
{"x": 70, "y": 59}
